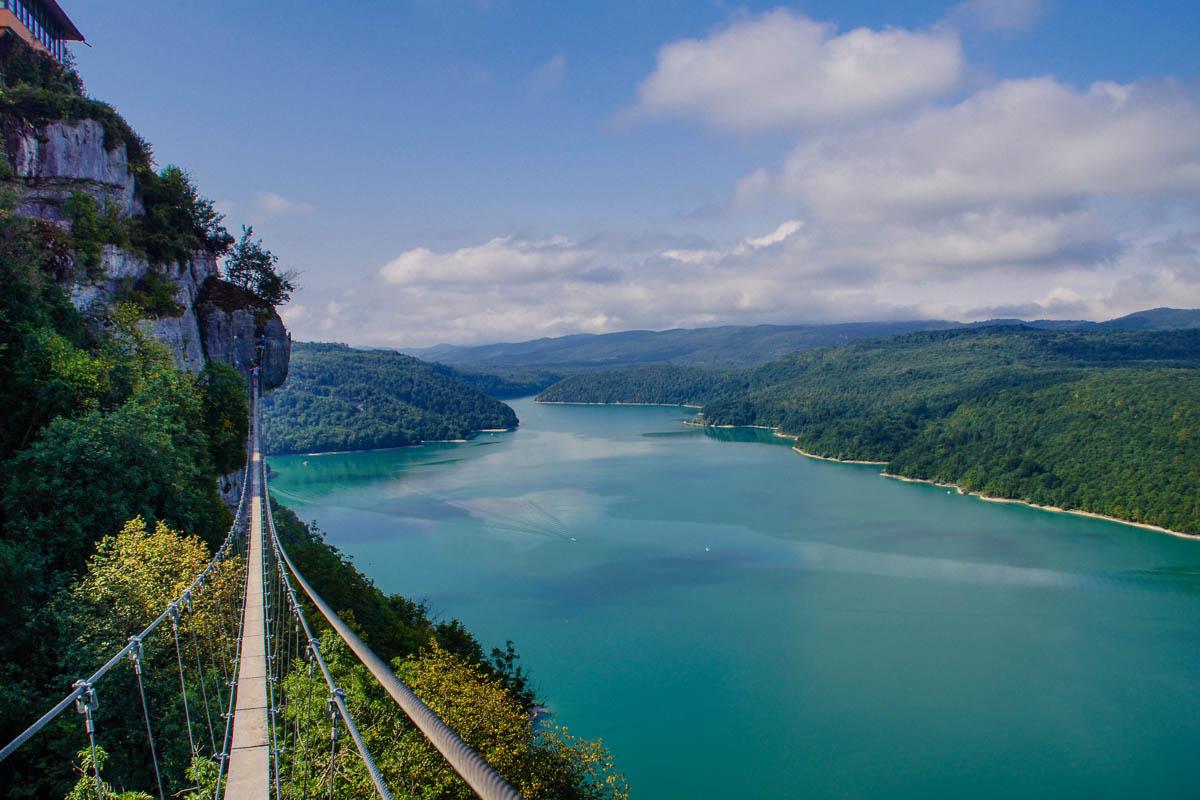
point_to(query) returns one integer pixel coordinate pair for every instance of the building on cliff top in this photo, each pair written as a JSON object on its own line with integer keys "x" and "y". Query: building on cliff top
{"x": 41, "y": 23}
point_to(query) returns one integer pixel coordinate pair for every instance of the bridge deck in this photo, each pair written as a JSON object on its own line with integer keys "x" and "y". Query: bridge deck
{"x": 249, "y": 762}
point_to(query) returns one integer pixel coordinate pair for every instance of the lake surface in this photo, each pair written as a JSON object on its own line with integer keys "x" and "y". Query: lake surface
{"x": 736, "y": 620}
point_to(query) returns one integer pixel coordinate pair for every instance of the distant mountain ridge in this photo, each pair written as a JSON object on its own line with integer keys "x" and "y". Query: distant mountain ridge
{"x": 732, "y": 346}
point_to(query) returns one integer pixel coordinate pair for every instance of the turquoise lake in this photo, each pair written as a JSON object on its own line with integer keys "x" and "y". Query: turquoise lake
{"x": 736, "y": 620}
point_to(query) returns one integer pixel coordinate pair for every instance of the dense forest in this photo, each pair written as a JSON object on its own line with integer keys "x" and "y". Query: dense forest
{"x": 665, "y": 384}
{"x": 99, "y": 429}
{"x": 339, "y": 398}
{"x": 739, "y": 346}
{"x": 502, "y": 383}
{"x": 1106, "y": 421}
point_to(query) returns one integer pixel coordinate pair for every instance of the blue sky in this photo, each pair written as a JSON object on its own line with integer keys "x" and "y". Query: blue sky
{"x": 476, "y": 171}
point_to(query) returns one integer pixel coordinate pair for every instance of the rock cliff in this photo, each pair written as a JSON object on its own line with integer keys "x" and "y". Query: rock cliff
{"x": 216, "y": 322}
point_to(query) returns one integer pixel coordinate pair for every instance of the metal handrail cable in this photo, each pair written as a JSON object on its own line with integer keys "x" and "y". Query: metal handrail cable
{"x": 314, "y": 649}
{"x": 470, "y": 766}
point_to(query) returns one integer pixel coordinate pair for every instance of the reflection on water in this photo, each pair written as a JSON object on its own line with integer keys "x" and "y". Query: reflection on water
{"x": 327, "y": 472}
{"x": 685, "y": 592}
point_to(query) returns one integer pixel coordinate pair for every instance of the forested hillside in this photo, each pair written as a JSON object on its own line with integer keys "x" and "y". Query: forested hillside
{"x": 725, "y": 346}
{"x": 339, "y": 398}
{"x": 100, "y": 429}
{"x": 502, "y": 383}
{"x": 1106, "y": 421}
{"x": 657, "y": 385}
{"x": 739, "y": 346}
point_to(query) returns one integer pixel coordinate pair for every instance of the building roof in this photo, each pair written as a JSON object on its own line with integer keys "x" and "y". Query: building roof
{"x": 69, "y": 32}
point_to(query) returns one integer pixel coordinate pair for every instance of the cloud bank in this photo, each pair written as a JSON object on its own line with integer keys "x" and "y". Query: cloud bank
{"x": 904, "y": 195}
{"x": 782, "y": 69}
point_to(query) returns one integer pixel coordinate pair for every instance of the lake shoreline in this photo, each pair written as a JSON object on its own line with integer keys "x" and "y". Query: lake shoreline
{"x": 986, "y": 498}
{"x": 1040, "y": 507}
{"x": 579, "y": 403}
{"x": 394, "y": 446}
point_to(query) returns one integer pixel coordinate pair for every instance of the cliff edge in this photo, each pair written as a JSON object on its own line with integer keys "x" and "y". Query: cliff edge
{"x": 197, "y": 315}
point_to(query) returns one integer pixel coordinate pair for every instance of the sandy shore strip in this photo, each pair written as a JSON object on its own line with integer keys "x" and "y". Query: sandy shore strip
{"x": 838, "y": 460}
{"x": 1055, "y": 509}
{"x": 615, "y": 403}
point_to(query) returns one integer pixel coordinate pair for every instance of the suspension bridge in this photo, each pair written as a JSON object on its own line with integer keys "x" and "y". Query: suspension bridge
{"x": 249, "y": 675}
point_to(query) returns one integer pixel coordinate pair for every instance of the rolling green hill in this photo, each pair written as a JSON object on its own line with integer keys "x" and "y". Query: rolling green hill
{"x": 735, "y": 346}
{"x": 339, "y": 398}
{"x": 1099, "y": 420}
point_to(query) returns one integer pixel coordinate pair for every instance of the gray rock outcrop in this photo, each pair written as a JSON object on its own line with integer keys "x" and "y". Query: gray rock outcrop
{"x": 50, "y": 161}
{"x": 57, "y": 158}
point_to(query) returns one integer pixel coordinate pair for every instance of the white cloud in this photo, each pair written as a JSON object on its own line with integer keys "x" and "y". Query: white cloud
{"x": 549, "y": 77}
{"x": 1029, "y": 198}
{"x": 1019, "y": 142}
{"x": 292, "y": 313}
{"x": 781, "y": 69}
{"x": 692, "y": 256}
{"x": 503, "y": 259}
{"x": 776, "y": 236}
{"x": 276, "y": 205}
{"x": 997, "y": 15}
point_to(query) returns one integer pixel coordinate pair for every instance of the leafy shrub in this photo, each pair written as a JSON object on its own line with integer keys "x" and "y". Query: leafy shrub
{"x": 226, "y": 415}
{"x": 91, "y": 229}
{"x": 23, "y": 65}
{"x": 155, "y": 294}
{"x": 39, "y": 89}
{"x": 178, "y": 221}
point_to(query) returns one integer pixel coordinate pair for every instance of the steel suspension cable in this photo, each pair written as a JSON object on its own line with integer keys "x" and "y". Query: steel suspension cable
{"x": 136, "y": 656}
{"x": 212, "y": 739}
{"x": 336, "y": 704}
{"x": 85, "y": 704}
{"x": 187, "y": 714}
{"x": 470, "y": 766}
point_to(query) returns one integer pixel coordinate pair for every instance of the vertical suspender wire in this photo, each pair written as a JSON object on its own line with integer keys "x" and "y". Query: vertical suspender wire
{"x": 273, "y": 635}
{"x": 293, "y": 709}
{"x": 187, "y": 714}
{"x": 85, "y": 704}
{"x": 308, "y": 715}
{"x": 280, "y": 672}
{"x": 269, "y": 585}
{"x": 212, "y": 739}
{"x": 223, "y": 618}
{"x": 214, "y": 653}
{"x": 333, "y": 716}
{"x": 136, "y": 656}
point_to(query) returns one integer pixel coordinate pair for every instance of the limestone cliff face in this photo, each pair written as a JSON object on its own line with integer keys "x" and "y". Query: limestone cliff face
{"x": 54, "y": 159}
{"x": 57, "y": 158}
{"x": 239, "y": 329}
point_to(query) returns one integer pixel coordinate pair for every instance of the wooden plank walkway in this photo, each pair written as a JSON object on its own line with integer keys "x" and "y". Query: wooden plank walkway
{"x": 249, "y": 762}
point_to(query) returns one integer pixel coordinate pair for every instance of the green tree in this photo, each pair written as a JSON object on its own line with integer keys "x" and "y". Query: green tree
{"x": 226, "y": 415}
{"x": 541, "y": 764}
{"x": 178, "y": 220}
{"x": 85, "y": 788}
{"x": 253, "y": 267}
{"x": 130, "y": 580}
